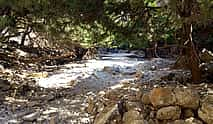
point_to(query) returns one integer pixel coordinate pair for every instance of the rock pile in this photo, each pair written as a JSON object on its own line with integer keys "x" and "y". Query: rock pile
{"x": 160, "y": 105}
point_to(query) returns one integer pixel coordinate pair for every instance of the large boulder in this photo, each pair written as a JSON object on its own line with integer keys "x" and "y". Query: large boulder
{"x": 161, "y": 97}
{"x": 186, "y": 98}
{"x": 169, "y": 113}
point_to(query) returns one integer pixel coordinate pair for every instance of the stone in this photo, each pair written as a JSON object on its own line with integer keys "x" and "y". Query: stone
{"x": 187, "y": 113}
{"x": 193, "y": 121}
{"x": 169, "y": 113}
{"x": 161, "y": 97}
{"x": 139, "y": 74}
{"x": 132, "y": 105}
{"x": 187, "y": 98}
{"x": 206, "y": 112}
{"x": 137, "y": 122}
{"x": 178, "y": 122}
{"x": 31, "y": 117}
{"x": 151, "y": 121}
{"x": 146, "y": 99}
{"x": 187, "y": 121}
{"x": 104, "y": 116}
{"x": 1, "y": 68}
{"x": 152, "y": 114}
{"x": 208, "y": 98}
{"x": 206, "y": 56}
{"x": 38, "y": 75}
{"x": 133, "y": 117}
{"x": 113, "y": 95}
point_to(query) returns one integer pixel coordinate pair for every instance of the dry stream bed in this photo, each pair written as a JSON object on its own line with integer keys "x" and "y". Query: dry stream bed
{"x": 68, "y": 94}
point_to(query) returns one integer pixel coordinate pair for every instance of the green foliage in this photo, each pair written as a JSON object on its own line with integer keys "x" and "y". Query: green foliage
{"x": 109, "y": 23}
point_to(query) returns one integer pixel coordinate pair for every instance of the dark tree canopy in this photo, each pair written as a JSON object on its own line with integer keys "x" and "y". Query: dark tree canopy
{"x": 131, "y": 23}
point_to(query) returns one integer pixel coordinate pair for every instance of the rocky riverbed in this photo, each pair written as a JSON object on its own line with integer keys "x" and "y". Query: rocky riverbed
{"x": 117, "y": 88}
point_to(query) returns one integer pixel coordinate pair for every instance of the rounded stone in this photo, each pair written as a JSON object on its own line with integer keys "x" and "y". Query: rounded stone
{"x": 193, "y": 121}
{"x": 161, "y": 97}
{"x": 187, "y": 98}
{"x": 132, "y": 115}
{"x": 169, "y": 113}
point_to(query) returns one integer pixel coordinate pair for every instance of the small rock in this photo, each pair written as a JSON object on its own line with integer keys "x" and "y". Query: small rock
{"x": 132, "y": 105}
{"x": 146, "y": 99}
{"x": 153, "y": 68}
{"x": 151, "y": 121}
{"x": 139, "y": 75}
{"x": 131, "y": 116}
{"x": 187, "y": 98}
{"x": 137, "y": 122}
{"x": 193, "y": 121}
{"x": 1, "y": 68}
{"x": 178, "y": 122}
{"x": 169, "y": 113}
{"x": 113, "y": 95}
{"x": 208, "y": 99}
{"x": 206, "y": 56}
{"x": 38, "y": 75}
{"x": 152, "y": 114}
{"x": 31, "y": 117}
{"x": 161, "y": 97}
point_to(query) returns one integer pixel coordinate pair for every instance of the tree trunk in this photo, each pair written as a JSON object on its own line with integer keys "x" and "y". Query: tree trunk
{"x": 189, "y": 51}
